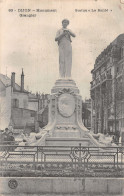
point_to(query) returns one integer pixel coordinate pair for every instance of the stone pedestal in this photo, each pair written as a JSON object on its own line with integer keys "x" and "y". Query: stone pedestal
{"x": 65, "y": 117}
{"x": 65, "y": 109}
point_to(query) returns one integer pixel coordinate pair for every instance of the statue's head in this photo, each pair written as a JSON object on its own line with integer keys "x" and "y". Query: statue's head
{"x": 65, "y": 23}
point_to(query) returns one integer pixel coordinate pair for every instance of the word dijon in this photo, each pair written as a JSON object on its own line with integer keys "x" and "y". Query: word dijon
{"x": 37, "y": 10}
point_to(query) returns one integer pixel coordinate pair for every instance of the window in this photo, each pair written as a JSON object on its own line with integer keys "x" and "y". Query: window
{"x": 117, "y": 69}
{"x": 122, "y": 51}
{"x": 97, "y": 73}
{"x": 94, "y": 76}
{"x": 15, "y": 103}
{"x": 102, "y": 69}
{"x": 25, "y": 103}
{"x": 109, "y": 72}
{"x": 32, "y": 114}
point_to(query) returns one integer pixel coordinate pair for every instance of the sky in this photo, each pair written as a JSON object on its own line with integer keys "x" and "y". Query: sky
{"x": 29, "y": 42}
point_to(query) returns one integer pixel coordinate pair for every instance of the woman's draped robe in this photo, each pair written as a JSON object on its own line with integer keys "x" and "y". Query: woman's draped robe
{"x": 65, "y": 55}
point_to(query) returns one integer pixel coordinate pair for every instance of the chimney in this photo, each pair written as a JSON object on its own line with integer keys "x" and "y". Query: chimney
{"x": 13, "y": 80}
{"x": 22, "y": 81}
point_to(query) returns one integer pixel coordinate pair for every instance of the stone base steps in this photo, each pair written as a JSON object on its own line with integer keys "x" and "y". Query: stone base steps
{"x": 54, "y": 141}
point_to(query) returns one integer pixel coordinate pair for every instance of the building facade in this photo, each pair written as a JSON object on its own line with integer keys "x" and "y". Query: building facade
{"x": 107, "y": 89}
{"x": 5, "y": 102}
{"x": 19, "y": 107}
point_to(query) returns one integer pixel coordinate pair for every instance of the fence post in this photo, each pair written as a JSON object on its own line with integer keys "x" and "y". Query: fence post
{"x": 79, "y": 160}
{"x": 37, "y": 154}
{"x": 117, "y": 157}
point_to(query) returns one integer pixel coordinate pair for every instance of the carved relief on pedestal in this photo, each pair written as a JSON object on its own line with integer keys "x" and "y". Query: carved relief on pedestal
{"x": 79, "y": 107}
{"x": 66, "y": 104}
{"x": 66, "y": 127}
{"x": 66, "y": 90}
{"x": 53, "y": 108}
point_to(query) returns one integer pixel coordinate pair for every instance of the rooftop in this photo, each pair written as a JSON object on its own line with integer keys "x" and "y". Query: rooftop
{"x": 7, "y": 82}
{"x": 111, "y": 50}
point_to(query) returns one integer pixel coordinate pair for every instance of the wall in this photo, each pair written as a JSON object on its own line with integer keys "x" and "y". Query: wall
{"x": 57, "y": 185}
{"x": 22, "y": 117}
{"x": 33, "y": 105}
{"x": 5, "y": 106}
{"x": 22, "y": 97}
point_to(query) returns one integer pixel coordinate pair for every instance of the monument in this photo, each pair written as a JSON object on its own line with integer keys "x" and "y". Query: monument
{"x": 63, "y": 37}
{"x": 65, "y": 125}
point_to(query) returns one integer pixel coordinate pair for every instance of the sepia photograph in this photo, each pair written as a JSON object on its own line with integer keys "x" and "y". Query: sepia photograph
{"x": 61, "y": 97}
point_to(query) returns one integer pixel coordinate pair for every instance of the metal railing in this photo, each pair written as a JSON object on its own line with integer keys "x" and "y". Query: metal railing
{"x": 74, "y": 161}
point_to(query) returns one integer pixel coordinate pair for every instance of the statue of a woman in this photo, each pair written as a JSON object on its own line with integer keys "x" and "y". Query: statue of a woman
{"x": 63, "y": 37}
